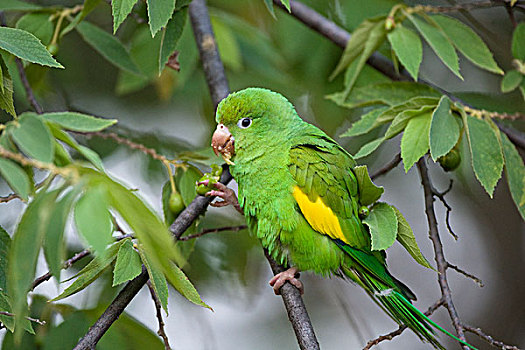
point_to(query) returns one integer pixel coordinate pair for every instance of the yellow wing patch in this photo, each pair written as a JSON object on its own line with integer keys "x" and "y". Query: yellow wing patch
{"x": 319, "y": 215}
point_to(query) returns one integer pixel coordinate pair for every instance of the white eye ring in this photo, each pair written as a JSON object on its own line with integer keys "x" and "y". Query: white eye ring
{"x": 244, "y": 123}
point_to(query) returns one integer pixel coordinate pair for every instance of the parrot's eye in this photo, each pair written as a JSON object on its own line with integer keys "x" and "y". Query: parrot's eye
{"x": 244, "y": 123}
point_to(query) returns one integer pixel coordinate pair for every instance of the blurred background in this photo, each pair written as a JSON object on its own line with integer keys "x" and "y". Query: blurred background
{"x": 173, "y": 113}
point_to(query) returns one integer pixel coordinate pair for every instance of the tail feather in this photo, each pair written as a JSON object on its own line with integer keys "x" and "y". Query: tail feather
{"x": 392, "y": 296}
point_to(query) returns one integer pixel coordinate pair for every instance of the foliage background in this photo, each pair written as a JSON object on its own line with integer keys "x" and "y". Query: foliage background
{"x": 173, "y": 113}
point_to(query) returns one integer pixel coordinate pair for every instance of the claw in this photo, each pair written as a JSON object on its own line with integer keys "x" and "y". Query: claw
{"x": 291, "y": 275}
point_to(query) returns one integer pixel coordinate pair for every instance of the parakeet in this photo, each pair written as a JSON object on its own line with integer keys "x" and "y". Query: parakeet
{"x": 300, "y": 197}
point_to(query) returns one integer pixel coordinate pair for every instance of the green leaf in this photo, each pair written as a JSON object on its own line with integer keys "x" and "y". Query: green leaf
{"x": 23, "y": 254}
{"x": 16, "y": 177}
{"x": 365, "y": 124}
{"x": 391, "y": 94}
{"x": 402, "y": 119}
{"x": 62, "y": 157}
{"x": 91, "y": 271}
{"x": 382, "y": 223}
{"x": 157, "y": 279}
{"x": 182, "y": 284}
{"x": 444, "y": 130}
{"x": 355, "y": 46}
{"x": 485, "y": 148}
{"x": 108, "y": 46}
{"x": 518, "y": 42}
{"x": 93, "y": 219}
{"x": 414, "y": 143}
{"x": 34, "y": 138}
{"x": 376, "y": 37}
{"x": 468, "y": 43}
{"x": 26, "y": 46}
{"x": 159, "y": 13}
{"x": 286, "y": 4}
{"x": 6, "y": 93}
{"x": 515, "y": 174}
{"x": 406, "y": 237}
{"x": 269, "y": 6}
{"x": 408, "y": 48}
{"x": 120, "y": 10}
{"x": 87, "y": 8}
{"x": 17, "y": 5}
{"x": 368, "y": 148}
{"x": 5, "y": 244}
{"x": 171, "y": 36}
{"x": 186, "y": 184}
{"x": 88, "y": 153}
{"x": 128, "y": 265}
{"x": 54, "y": 251}
{"x": 439, "y": 43}
{"x": 5, "y": 305}
{"x": 414, "y": 104}
{"x": 78, "y": 121}
{"x": 368, "y": 192}
{"x": 511, "y": 81}
{"x": 38, "y": 24}
{"x": 166, "y": 192}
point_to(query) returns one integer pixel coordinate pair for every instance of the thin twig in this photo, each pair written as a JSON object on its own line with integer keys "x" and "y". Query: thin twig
{"x": 158, "y": 308}
{"x": 67, "y": 264}
{"x": 441, "y": 197}
{"x": 29, "y": 91}
{"x": 478, "y": 281}
{"x": 488, "y": 338}
{"x": 439, "y": 255}
{"x": 401, "y": 328}
{"x": 389, "y": 166}
{"x": 214, "y": 230}
{"x": 9, "y": 197}
{"x": 40, "y": 322}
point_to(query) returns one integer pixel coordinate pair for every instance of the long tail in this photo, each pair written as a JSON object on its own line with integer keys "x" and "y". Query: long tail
{"x": 391, "y": 295}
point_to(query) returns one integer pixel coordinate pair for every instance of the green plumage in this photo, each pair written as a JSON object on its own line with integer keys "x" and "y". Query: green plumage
{"x": 279, "y": 151}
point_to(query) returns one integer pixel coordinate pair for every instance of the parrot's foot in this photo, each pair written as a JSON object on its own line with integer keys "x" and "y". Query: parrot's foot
{"x": 227, "y": 194}
{"x": 291, "y": 275}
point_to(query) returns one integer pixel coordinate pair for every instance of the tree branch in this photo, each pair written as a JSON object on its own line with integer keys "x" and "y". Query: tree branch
{"x": 340, "y": 37}
{"x": 158, "y": 308}
{"x": 389, "y": 166}
{"x": 214, "y": 230}
{"x": 29, "y": 91}
{"x": 67, "y": 264}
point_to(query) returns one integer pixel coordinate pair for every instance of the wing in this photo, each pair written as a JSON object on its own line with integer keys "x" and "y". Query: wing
{"x": 327, "y": 191}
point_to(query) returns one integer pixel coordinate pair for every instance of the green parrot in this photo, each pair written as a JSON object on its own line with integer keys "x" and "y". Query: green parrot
{"x": 300, "y": 197}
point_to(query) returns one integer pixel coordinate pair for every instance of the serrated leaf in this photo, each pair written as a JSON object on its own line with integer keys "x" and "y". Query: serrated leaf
{"x": 355, "y": 46}
{"x": 54, "y": 251}
{"x": 93, "y": 219}
{"x": 159, "y": 13}
{"x": 286, "y": 4}
{"x": 375, "y": 38}
{"x": 368, "y": 148}
{"x": 487, "y": 157}
{"x": 5, "y": 305}
{"x": 78, "y": 121}
{"x": 468, "y": 43}
{"x": 414, "y": 143}
{"x": 23, "y": 254}
{"x": 439, "y": 43}
{"x": 182, "y": 284}
{"x": 515, "y": 173}
{"x": 269, "y": 6}
{"x": 120, "y": 10}
{"x": 91, "y": 271}
{"x": 406, "y": 237}
{"x": 414, "y": 104}
{"x": 444, "y": 130}
{"x": 368, "y": 192}
{"x": 402, "y": 119}
{"x": 171, "y": 35}
{"x": 6, "y": 93}
{"x": 382, "y": 224}
{"x": 18, "y": 5}
{"x": 518, "y": 42}
{"x": 38, "y": 24}
{"x": 16, "y": 177}
{"x": 390, "y": 94}
{"x": 157, "y": 279}
{"x": 33, "y": 138}
{"x": 511, "y": 81}
{"x": 365, "y": 124}
{"x": 108, "y": 46}
{"x": 26, "y": 46}
{"x": 62, "y": 157}
{"x": 5, "y": 244}
{"x": 128, "y": 265}
{"x": 408, "y": 48}
{"x": 88, "y": 153}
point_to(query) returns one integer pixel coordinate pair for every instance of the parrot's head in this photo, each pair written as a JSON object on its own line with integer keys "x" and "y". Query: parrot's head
{"x": 252, "y": 119}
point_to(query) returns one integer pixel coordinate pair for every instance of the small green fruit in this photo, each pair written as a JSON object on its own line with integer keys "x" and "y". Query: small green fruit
{"x": 175, "y": 203}
{"x": 216, "y": 170}
{"x": 363, "y": 212}
{"x": 450, "y": 161}
{"x": 53, "y": 49}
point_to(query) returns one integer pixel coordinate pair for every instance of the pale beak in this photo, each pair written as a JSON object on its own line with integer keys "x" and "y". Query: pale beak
{"x": 222, "y": 143}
